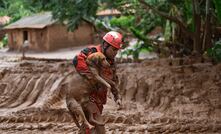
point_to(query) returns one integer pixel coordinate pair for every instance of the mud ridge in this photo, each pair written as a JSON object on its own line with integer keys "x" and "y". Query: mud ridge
{"x": 159, "y": 96}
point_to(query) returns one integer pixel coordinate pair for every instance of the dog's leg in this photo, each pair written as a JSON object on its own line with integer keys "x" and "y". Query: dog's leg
{"x": 92, "y": 109}
{"x": 72, "y": 112}
{"x": 93, "y": 121}
{"x": 75, "y": 107}
{"x": 95, "y": 117}
{"x": 115, "y": 91}
{"x": 99, "y": 78}
{"x": 100, "y": 129}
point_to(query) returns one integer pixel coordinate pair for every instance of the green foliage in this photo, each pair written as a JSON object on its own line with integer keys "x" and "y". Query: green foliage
{"x": 139, "y": 35}
{"x": 143, "y": 44}
{"x": 148, "y": 21}
{"x": 144, "y": 20}
{"x": 128, "y": 24}
{"x": 15, "y": 9}
{"x": 188, "y": 15}
{"x": 135, "y": 50}
{"x": 217, "y": 4}
{"x": 4, "y": 42}
{"x": 170, "y": 27}
{"x": 39, "y": 5}
{"x": 136, "y": 19}
{"x": 123, "y": 21}
{"x": 99, "y": 24}
{"x": 70, "y": 11}
{"x": 167, "y": 31}
{"x": 215, "y": 52}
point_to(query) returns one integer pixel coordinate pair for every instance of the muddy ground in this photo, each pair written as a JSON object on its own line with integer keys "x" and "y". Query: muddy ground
{"x": 159, "y": 96}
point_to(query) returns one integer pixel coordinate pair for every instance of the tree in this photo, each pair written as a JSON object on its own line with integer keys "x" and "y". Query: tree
{"x": 193, "y": 19}
{"x": 16, "y": 9}
{"x": 202, "y": 22}
{"x": 70, "y": 11}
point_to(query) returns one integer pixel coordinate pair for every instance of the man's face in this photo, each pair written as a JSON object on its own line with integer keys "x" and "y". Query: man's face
{"x": 111, "y": 52}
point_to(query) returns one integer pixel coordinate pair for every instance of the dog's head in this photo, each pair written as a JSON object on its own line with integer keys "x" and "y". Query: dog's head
{"x": 97, "y": 59}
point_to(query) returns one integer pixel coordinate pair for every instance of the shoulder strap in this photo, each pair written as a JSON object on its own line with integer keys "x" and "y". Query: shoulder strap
{"x": 94, "y": 49}
{"x": 86, "y": 51}
{"x": 89, "y": 50}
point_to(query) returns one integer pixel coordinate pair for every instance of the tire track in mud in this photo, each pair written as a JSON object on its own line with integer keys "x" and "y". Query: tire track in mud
{"x": 24, "y": 94}
{"x": 38, "y": 119}
{"x": 46, "y": 89}
{"x": 14, "y": 90}
{"x": 165, "y": 125}
{"x": 34, "y": 94}
{"x": 24, "y": 86}
{"x": 27, "y": 87}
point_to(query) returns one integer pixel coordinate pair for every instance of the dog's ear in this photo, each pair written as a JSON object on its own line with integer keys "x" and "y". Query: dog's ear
{"x": 101, "y": 58}
{"x": 95, "y": 60}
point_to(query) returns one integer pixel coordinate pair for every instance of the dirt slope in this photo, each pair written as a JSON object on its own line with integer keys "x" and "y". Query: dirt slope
{"x": 158, "y": 97}
{"x": 187, "y": 91}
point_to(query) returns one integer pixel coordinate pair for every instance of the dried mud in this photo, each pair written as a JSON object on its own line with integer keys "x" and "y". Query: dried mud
{"x": 159, "y": 96}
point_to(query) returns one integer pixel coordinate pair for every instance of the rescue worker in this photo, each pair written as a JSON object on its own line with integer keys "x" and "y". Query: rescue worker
{"x": 112, "y": 42}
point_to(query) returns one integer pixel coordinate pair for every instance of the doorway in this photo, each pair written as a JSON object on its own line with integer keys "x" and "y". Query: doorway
{"x": 25, "y": 36}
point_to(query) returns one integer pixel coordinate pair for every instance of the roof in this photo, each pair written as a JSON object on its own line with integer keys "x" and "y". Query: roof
{"x": 4, "y": 20}
{"x": 108, "y": 12}
{"x": 38, "y": 21}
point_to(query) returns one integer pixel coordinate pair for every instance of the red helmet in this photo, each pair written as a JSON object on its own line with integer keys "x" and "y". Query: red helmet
{"x": 115, "y": 39}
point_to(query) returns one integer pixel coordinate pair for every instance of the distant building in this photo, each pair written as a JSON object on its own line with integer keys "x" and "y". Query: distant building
{"x": 3, "y": 20}
{"x": 109, "y": 13}
{"x": 46, "y": 34}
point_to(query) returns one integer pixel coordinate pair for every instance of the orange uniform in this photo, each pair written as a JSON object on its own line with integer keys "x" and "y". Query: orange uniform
{"x": 99, "y": 96}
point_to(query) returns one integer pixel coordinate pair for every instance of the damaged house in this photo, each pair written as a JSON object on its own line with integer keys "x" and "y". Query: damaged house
{"x": 46, "y": 34}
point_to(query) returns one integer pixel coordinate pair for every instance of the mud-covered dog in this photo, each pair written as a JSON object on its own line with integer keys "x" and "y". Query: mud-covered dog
{"x": 76, "y": 89}
{"x": 80, "y": 92}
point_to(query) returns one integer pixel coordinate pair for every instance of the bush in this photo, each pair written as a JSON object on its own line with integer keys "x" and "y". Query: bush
{"x": 4, "y": 42}
{"x": 123, "y": 21}
{"x": 135, "y": 50}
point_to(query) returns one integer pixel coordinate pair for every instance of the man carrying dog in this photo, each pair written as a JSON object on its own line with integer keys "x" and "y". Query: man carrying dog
{"x": 112, "y": 42}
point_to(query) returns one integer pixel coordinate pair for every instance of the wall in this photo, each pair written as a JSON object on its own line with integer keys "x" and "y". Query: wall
{"x": 15, "y": 39}
{"x": 36, "y": 39}
{"x": 59, "y": 37}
